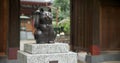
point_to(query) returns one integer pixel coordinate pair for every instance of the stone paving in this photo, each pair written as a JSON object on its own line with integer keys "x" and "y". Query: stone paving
{"x": 22, "y": 42}
{"x": 111, "y": 62}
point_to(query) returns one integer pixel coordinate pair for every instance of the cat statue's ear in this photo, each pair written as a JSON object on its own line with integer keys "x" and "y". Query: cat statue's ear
{"x": 49, "y": 10}
{"x": 41, "y": 10}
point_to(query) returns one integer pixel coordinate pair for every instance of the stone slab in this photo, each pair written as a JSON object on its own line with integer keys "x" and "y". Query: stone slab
{"x": 22, "y": 42}
{"x": 46, "y": 48}
{"x": 111, "y": 62}
{"x": 69, "y": 57}
{"x": 102, "y": 58}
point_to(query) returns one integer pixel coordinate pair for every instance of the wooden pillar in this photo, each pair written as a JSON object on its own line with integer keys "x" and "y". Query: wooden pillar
{"x": 4, "y": 9}
{"x": 84, "y": 24}
{"x": 14, "y": 29}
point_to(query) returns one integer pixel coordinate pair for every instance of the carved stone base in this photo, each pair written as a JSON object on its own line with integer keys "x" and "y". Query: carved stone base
{"x": 46, "y": 48}
{"x": 47, "y": 53}
{"x": 24, "y": 57}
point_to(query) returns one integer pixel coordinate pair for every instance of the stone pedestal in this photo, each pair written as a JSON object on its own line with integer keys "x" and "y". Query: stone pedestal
{"x": 47, "y": 53}
{"x": 46, "y": 48}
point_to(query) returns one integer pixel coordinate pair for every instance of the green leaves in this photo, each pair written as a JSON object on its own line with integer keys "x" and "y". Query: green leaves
{"x": 64, "y": 8}
{"x": 63, "y": 14}
{"x": 66, "y": 24}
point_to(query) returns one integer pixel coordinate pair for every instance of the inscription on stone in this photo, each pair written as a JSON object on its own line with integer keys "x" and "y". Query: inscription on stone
{"x": 53, "y": 61}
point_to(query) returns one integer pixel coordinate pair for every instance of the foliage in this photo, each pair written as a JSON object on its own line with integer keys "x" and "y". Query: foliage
{"x": 63, "y": 15}
{"x": 66, "y": 24}
{"x": 64, "y": 9}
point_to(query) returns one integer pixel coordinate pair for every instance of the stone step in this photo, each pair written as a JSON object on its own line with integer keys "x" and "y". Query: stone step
{"x": 69, "y": 57}
{"x": 46, "y": 48}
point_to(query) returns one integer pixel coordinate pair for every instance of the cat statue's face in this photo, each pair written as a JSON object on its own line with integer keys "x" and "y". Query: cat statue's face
{"x": 43, "y": 17}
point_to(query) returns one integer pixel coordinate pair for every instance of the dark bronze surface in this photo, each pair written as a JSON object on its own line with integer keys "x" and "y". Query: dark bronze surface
{"x": 43, "y": 24}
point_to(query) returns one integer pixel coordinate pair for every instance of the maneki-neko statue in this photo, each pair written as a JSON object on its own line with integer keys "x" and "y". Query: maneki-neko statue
{"x": 44, "y": 31}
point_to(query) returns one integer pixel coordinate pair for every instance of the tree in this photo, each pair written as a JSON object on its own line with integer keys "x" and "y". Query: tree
{"x": 64, "y": 8}
{"x": 63, "y": 14}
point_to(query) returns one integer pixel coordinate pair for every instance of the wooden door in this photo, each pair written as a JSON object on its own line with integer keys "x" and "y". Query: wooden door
{"x": 110, "y": 27}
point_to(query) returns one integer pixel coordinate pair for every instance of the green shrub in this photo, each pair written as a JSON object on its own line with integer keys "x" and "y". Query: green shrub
{"x": 65, "y": 23}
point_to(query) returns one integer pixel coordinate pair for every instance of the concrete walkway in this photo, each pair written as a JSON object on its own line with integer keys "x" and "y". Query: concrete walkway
{"x": 111, "y": 62}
